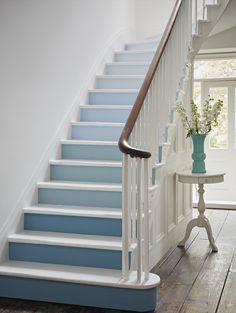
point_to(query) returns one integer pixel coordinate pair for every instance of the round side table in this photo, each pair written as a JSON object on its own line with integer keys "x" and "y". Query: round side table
{"x": 187, "y": 177}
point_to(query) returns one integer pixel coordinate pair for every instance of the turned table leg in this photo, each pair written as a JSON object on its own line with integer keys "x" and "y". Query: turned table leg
{"x": 200, "y": 221}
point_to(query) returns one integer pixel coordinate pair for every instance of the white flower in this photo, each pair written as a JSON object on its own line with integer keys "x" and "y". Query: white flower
{"x": 200, "y": 124}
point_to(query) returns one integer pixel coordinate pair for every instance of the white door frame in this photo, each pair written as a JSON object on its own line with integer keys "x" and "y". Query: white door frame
{"x": 229, "y": 83}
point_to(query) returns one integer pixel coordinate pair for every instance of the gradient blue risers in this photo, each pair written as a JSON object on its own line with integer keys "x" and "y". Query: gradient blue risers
{"x": 137, "y": 300}
{"x": 82, "y": 173}
{"x": 89, "y": 198}
{"x": 94, "y": 114}
{"x": 103, "y": 133}
{"x": 134, "y": 56}
{"x": 73, "y": 224}
{"x": 66, "y": 255}
{"x": 126, "y": 68}
{"x": 119, "y": 81}
{"x": 91, "y": 152}
{"x": 97, "y": 96}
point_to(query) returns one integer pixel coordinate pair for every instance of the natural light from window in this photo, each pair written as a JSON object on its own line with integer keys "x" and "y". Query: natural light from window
{"x": 208, "y": 75}
{"x": 219, "y": 68}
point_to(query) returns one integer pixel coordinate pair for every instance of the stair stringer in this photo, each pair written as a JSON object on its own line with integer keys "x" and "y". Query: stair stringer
{"x": 204, "y": 27}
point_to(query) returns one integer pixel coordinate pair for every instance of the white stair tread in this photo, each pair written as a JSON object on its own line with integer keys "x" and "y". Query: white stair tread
{"x": 86, "y": 163}
{"x": 113, "y": 90}
{"x": 80, "y": 186}
{"x": 97, "y": 124}
{"x": 128, "y": 63}
{"x": 147, "y": 41}
{"x": 135, "y": 51}
{"x": 74, "y": 211}
{"x": 74, "y": 274}
{"x": 68, "y": 240}
{"x": 106, "y": 106}
{"x": 88, "y": 142}
{"x": 120, "y": 76}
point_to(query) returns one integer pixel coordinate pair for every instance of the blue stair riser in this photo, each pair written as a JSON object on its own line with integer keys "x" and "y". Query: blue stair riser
{"x": 103, "y": 133}
{"x": 91, "y": 152}
{"x": 126, "y": 69}
{"x": 89, "y": 198}
{"x": 119, "y": 83}
{"x": 137, "y": 300}
{"x": 73, "y": 224}
{"x": 103, "y": 174}
{"x": 104, "y": 115}
{"x": 142, "y": 46}
{"x": 133, "y": 57}
{"x": 65, "y": 255}
{"x": 120, "y": 98}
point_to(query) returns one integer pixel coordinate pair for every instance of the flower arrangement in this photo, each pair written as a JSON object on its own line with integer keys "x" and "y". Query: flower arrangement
{"x": 200, "y": 123}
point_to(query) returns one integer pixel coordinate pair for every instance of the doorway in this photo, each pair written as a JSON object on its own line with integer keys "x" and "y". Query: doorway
{"x": 220, "y": 145}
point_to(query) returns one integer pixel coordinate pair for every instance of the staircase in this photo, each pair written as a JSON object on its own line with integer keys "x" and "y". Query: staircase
{"x": 73, "y": 247}
{"x": 70, "y": 248}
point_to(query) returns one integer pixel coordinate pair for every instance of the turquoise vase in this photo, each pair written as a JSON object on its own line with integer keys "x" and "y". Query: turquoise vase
{"x": 198, "y": 154}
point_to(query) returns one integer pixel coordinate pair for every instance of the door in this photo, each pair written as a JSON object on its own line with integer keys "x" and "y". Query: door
{"x": 221, "y": 143}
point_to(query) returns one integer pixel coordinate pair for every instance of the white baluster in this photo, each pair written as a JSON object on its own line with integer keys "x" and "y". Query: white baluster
{"x": 139, "y": 223}
{"x": 146, "y": 218}
{"x": 125, "y": 219}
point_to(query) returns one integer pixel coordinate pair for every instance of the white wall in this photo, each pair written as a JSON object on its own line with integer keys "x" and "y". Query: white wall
{"x": 152, "y": 16}
{"x": 48, "y": 48}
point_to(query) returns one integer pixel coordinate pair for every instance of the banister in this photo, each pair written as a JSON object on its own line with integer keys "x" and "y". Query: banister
{"x": 124, "y": 146}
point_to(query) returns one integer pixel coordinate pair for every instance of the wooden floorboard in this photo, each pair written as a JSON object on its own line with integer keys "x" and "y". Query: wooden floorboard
{"x": 193, "y": 279}
{"x": 189, "y": 272}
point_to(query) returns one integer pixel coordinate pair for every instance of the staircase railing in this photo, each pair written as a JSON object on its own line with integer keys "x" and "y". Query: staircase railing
{"x": 143, "y": 131}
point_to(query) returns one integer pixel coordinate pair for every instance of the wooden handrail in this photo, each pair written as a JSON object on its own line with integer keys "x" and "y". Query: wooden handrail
{"x": 133, "y": 116}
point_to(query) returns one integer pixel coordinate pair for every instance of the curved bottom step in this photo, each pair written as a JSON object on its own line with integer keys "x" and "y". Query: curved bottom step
{"x": 77, "y": 285}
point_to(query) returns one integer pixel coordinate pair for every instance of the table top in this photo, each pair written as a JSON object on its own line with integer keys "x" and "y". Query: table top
{"x": 210, "y": 177}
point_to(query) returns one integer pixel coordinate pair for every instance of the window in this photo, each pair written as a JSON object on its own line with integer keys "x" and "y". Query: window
{"x": 219, "y": 68}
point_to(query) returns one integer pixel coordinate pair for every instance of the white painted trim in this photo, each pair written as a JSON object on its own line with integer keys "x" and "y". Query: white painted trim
{"x": 96, "y": 124}
{"x": 80, "y": 186}
{"x": 87, "y": 142}
{"x": 127, "y": 64}
{"x": 215, "y": 79}
{"x": 86, "y": 163}
{"x": 128, "y": 77}
{"x": 75, "y": 274}
{"x": 68, "y": 240}
{"x": 74, "y": 211}
{"x": 168, "y": 241}
{"x": 216, "y": 53}
{"x": 125, "y": 52}
{"x": 113, "y": 91}
{"x": 106, "y": 106}
{"x": 14, "y": 221}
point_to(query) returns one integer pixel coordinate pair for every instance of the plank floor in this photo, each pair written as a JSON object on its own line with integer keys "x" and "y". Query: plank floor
{"x": 193, "y": 280}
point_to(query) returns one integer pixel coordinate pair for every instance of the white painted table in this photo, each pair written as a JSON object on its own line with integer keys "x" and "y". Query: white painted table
{"x": 187, "y": 177}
